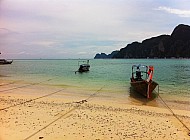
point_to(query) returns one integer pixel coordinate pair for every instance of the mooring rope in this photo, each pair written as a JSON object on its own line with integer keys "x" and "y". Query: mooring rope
{"x": 95, "y": 93}
{"x": 31, "y": 100}
{"x": 84, "y": 100}
{"x": 174, "y": 114}
{"x": 8, "y": 84}
{"x": 71, "y": 110}
{"x": 50, "y": 123}
{"x": 32, "y": 84}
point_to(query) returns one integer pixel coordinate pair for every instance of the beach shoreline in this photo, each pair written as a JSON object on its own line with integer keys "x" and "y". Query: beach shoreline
{"x": 41, "y": 112}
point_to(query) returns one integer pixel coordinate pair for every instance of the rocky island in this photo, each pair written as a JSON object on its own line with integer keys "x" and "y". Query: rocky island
{"x": 176, "y": 45}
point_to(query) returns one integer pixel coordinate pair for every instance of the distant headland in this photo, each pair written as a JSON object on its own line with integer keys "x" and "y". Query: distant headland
{"x": 176, "y": 45}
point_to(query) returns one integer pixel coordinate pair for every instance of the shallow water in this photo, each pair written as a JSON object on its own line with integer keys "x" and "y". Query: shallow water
{"x": 112, "y": 76}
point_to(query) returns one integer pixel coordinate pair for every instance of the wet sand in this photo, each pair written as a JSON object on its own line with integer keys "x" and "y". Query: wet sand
{"x": 41, "y": 112}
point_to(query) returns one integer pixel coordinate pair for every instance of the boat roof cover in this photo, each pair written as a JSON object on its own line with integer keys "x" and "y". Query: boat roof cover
{"x": 139, "y": 66}
{"x": 84, "y": 65}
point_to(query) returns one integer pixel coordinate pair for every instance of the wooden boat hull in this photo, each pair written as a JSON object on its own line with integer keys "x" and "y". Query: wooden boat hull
{"x": 143, "y": 87}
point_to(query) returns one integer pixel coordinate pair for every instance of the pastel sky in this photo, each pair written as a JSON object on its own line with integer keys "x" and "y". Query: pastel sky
{"x": 62, "y": 29}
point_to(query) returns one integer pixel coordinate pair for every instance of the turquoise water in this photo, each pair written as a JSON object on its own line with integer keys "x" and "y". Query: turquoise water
{"x": 173, "y": 75}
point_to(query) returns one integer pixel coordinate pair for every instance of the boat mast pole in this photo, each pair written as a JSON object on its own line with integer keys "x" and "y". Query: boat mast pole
{"x": 132, "y": 72}
{"x": 148, "y": 93}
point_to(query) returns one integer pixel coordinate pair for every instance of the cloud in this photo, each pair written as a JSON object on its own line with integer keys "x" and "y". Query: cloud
{"x": 81, "y": 28}
{"x": 82, "y": 53}
{"x": 5, "y": 32}
{"x": 179, "y": 12}
{"x": 41, "y": 43}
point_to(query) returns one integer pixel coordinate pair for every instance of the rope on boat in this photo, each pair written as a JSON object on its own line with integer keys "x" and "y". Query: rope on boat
{"x": 174, "y": 114}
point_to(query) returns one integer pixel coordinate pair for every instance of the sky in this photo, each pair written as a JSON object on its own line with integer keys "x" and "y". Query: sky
{"x": 73, "y": 29}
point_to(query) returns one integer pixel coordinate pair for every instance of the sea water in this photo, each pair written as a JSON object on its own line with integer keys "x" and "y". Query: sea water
{"x": 110, "y": 77}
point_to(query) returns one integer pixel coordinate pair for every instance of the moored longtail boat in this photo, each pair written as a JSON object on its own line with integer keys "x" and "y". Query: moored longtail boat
{"x": 83, "y": 67}
{"x": 145, "y": 85}
{"x": 4, "y": 62}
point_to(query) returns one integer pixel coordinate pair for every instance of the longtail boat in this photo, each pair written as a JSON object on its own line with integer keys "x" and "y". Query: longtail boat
{"x": 141, "y": 80}
{"x": 4, "y": 62}
{"x": 83, "y": 67}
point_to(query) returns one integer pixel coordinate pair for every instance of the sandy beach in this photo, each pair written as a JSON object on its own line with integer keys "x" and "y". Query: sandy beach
{"x": 37, "y": 111}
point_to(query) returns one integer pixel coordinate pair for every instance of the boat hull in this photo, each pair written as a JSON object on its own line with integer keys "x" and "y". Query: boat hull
{"x": 143, "y": 87}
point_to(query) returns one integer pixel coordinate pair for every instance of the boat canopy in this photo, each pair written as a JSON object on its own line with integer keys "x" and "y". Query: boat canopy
{"x": 139, "y": 70}
{"x": 83, "y": 62}
{"x": 139, "y": 66}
